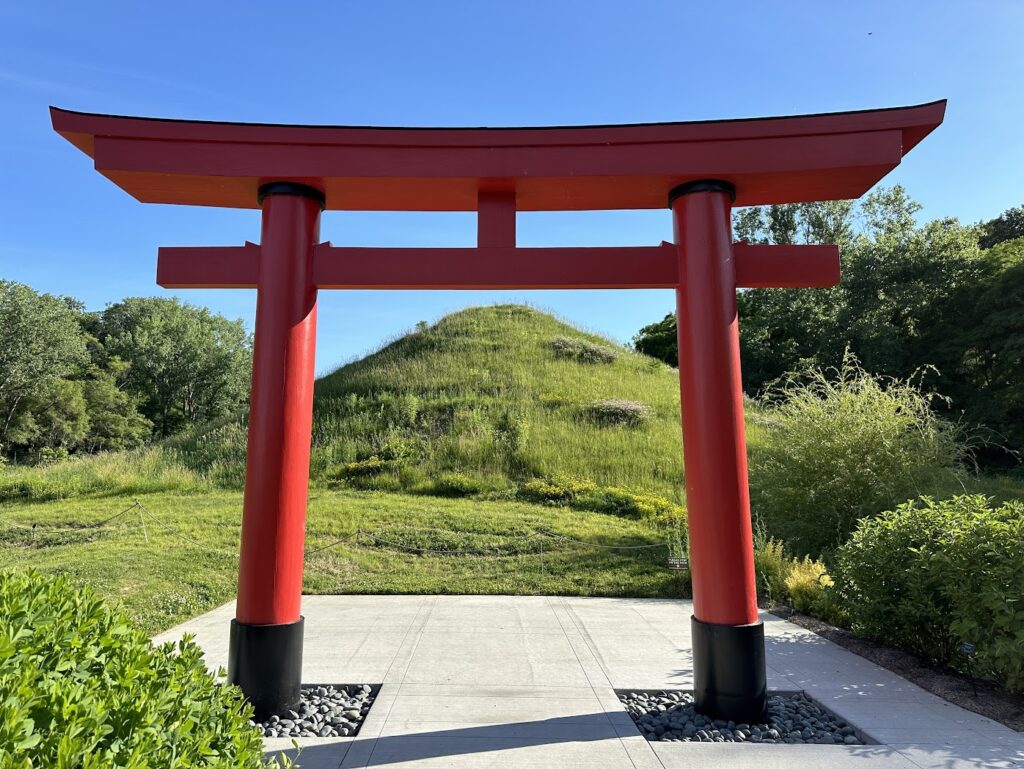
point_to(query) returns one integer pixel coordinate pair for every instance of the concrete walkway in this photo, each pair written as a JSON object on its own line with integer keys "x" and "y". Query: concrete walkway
{"x": 498, "y": 681}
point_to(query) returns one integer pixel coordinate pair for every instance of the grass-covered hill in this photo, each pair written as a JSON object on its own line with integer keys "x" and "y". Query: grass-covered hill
{"x": 491, "y": 398}
{"x": 501, "y": 402}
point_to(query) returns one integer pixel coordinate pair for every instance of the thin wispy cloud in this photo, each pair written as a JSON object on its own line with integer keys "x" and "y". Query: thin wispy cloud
{"x": 42, "y": 85}
{"x": 184, "y": 86}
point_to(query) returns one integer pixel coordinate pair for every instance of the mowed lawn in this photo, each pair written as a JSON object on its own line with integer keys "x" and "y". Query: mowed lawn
{"x": 175, "y": 556}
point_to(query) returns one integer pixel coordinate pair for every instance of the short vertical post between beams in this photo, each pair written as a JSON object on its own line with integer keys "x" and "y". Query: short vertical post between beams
{"x": 265, "y": 656}
{"x": 496, "y": 218}
{"x": 728, "y": 637}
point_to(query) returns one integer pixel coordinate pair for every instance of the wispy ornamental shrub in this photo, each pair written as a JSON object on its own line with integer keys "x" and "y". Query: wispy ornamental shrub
{"x": 840, "y": 445}
{"x": 782, "y": 579}
{"x": 932, "y": 576}
{"x": 511, "y": 430}
{"x": 613, "y": 411}
{"x": 807, "y": 584}
{"x": 582, "y": 351}
{"x": 80, "y": 688}
{"x": 771, "y": 567}
{"x": 122, "y": 473}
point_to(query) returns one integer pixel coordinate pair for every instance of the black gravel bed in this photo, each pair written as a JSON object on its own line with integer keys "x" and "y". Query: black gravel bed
{"x": 669, "y": 716}
{"x": 325, "y": 710}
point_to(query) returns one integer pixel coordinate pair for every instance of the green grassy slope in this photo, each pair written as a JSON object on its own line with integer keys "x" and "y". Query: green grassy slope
{"x": 177, "y": 556}
{"x": 485, "y": 393}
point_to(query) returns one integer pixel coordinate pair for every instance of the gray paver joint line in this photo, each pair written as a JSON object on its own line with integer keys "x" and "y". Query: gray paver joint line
{"x": 415, "y": 626}
{"x": 561, "y": 604}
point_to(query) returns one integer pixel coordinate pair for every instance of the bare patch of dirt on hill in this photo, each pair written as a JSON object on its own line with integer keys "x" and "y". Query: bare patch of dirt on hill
{"x": 983, "y": 697}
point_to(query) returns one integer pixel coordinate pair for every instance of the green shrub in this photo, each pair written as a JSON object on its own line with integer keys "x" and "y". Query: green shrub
{"x": 561, "y": 491}
{"x": 782, "y": 579}
{"x": 80, "y": 688}
{"x": 582, "y": 350}
{"x": 511, "y": 430}
{"x": 625, "y": 502}
{"x": 771, "y": 567}
{"x": 369, "y": 466}
{"x": 615, "y": 411}
{"x": 385, "y": 481}
{"x": 587, "y": 495}
{"x": 806, "y": 584}
{"x": 457, "y": 485}
{"x": 840, "y": 445}
{"x": 931, "y": 576}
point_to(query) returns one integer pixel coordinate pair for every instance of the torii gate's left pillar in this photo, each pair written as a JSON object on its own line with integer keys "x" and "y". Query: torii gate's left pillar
{"x": 265, "y": 657}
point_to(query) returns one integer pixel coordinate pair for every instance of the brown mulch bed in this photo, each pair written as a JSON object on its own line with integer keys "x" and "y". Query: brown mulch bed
{"x": 977, "y": 695}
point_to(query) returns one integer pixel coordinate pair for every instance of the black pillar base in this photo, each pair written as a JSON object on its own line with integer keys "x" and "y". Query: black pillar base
{"x": 728, "y": 671}
{"x": 265, "y": 661}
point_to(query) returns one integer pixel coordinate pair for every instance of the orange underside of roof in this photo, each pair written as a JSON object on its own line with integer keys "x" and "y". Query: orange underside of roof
{"x": 769, "y": 160}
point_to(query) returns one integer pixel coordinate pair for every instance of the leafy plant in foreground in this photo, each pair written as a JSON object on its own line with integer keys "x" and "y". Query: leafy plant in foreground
{"x": 80, "y": 688}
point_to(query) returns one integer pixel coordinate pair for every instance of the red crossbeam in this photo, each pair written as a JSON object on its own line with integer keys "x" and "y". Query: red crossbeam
{"x": 208, "y": 266}
{"x": 498, "y": 267}
{"x": 786, "y": 266}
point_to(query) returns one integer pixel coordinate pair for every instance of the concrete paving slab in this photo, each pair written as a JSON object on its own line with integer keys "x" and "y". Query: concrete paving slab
{"x": 315, "y": 752}
{"x": 938, "y": 756}
{"x": 502, "y": 681}
{"x": 407, "y": 751}
{"x": 493, "y": 710}
{"x": 680, "y": 755}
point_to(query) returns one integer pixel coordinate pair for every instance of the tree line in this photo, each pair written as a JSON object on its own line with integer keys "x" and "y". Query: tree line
{"x": 939, "y": 301}
{"x": 73, "y": 381}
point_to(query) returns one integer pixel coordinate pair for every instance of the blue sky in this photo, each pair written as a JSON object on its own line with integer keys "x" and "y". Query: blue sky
{"x": 65, "y": 229}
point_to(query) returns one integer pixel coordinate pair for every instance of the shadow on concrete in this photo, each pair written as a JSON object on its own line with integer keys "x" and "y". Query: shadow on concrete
{"x": 485, "y": 738}
{"x": 597, "y": 727}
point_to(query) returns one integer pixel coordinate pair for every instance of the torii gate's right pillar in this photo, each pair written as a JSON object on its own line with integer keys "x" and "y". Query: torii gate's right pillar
{"x": 728, "y": 637}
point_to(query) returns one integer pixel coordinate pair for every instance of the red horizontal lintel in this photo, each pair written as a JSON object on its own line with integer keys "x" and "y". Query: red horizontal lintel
{"x": 769, "y": 160}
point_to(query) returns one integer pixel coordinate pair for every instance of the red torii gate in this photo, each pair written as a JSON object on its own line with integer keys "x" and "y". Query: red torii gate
{"x": 699, "y": 170}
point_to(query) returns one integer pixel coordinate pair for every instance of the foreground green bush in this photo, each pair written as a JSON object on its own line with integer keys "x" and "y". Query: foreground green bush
{"x": 933, "y": 576}
{"x": 841, "y": 445}
{"x": 80, "y": 688}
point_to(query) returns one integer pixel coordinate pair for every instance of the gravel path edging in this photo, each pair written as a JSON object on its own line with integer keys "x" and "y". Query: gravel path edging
{"x": 325, "y": 710}
{"x": 793, "y": 718}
